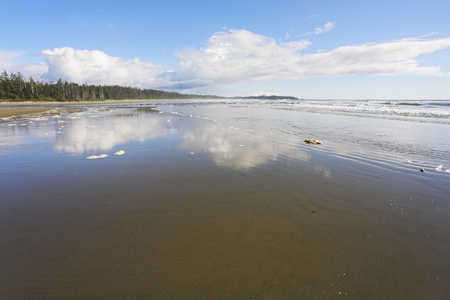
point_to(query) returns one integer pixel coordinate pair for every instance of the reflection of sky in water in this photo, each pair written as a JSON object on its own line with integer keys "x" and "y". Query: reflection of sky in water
{"x": 106, "y": 131}
{"x": 233, "y": 147}
{"x": 229, "y": 146}
{"x": 236, "y": 137}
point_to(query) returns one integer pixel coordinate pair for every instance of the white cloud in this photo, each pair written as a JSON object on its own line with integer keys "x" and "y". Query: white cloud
{"x": 327, "y": 27}
{"x": 6, "y": 56}
{"x": 96, "y": 67}
{"x": 320, "y": 30}
{"x": 382, "y": 59}
{"x": 9, "y": 61}
{"x": 235, "y": 56}
{"x": 239, "y": 55}
{"x": 242, "y": 56}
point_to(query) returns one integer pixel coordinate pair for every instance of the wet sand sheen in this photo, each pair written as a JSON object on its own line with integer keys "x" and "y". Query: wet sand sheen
{"x": 6, "y": 112}
{"x": 274, "y": 234}
{"x": 162, "y": 223}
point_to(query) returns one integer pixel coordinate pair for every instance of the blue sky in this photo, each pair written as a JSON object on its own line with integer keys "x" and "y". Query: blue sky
{"x": 325, "y": 49}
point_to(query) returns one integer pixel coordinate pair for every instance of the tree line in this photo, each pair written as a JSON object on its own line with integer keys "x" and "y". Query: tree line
{"x": 15, "y": 87}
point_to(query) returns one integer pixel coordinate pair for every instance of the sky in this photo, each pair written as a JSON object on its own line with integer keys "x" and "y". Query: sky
{"x": 322, "y": 49}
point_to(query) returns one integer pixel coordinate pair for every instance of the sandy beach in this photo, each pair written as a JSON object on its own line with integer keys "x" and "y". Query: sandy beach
{"x": 222, "y": 202}
{"x": 20, "y": 109}
{"x": 6, "y": 112}
{"x": 17, "y": 109}
{"x": 63, "y": 103}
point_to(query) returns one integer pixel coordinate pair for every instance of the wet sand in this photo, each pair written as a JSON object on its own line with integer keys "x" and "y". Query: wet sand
{"x": 191, "y": 232}
{"x": 20, "y": 109}
{"x": 161, "y": 222}
{"x": 7, "y": 112}
{"x": 63, "y": 103}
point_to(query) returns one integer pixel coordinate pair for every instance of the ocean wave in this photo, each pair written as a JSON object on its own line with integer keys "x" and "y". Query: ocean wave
{"x": 422, "y": 111}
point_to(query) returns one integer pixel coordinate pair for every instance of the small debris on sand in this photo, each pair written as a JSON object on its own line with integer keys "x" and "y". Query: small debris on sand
{"x": 422, "y": 170}
{"x": 97, "y": 156}
{"x": 313, "y": 142}
{"x": 120, "y": 152}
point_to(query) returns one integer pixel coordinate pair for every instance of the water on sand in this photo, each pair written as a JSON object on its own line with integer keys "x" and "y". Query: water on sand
{"x": 223, "y": 201}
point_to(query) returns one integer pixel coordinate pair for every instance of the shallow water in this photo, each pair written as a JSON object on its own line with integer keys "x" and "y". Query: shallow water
{"x": 223, "y": 201}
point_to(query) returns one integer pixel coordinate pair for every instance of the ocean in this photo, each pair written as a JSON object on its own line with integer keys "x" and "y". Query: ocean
{"x": 223, "y": 199}
{"x": 389, "y": 132}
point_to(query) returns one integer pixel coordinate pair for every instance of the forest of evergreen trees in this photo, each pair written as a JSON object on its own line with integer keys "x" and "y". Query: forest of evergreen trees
{"x": 15, "y": 87}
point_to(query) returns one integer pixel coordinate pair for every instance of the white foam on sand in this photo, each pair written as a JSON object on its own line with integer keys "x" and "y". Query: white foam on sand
{"x": 120, "y": 152}
{"x": 97, "y": 156}
{"x": 440, "y": 168}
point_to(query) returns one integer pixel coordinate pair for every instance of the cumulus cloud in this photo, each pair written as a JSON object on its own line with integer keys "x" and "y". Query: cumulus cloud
{"x": 240, "y": 55}
{"x": 97, "y": 67}
{"x": 236, "y": 56}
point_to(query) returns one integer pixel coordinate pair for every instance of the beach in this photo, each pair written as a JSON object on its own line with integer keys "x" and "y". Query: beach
{"x": 17, "y": 109}
{"x": 225, "y": 200}
{"x": 6, "y": 112}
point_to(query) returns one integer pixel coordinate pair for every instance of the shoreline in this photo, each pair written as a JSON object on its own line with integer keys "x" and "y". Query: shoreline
{"x": 63, "y": 103}
{"x": 20, "y": 109}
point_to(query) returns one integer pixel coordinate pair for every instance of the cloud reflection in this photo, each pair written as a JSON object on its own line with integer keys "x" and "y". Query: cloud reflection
{"x": 90, "y": 133}
{"x": 229, "y": 146}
